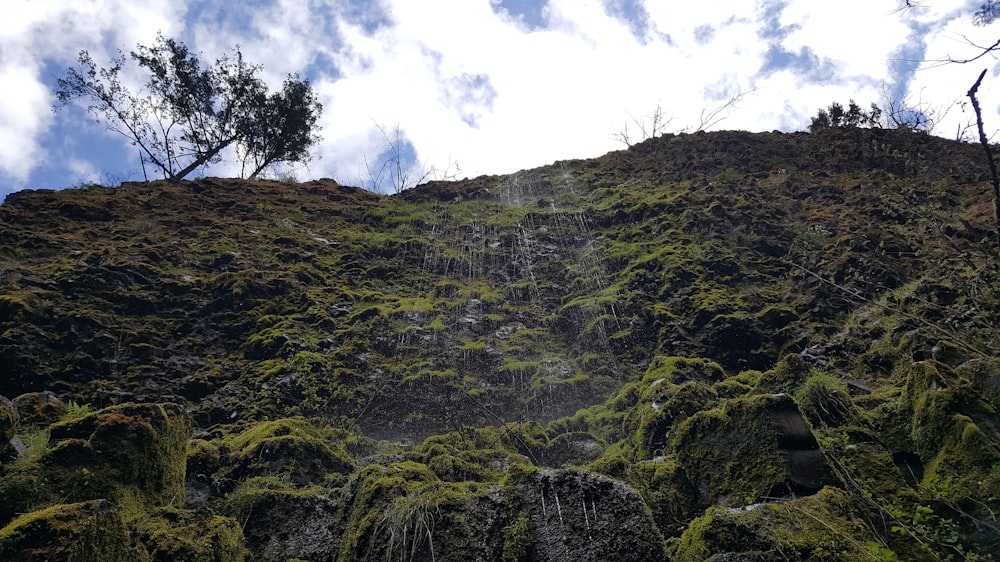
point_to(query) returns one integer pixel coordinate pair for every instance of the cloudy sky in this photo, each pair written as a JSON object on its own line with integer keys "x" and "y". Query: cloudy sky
{"x": 494, "y": 86}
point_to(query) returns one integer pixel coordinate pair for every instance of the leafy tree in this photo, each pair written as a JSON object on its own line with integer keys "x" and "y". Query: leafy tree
{"x": 854, "y": 116}
{"x": 891, "y": 113}
{"x": 185, "y": 115}
{"x": 283, "y": 129}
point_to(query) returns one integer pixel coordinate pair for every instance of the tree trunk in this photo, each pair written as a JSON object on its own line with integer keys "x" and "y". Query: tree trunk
{"x": 201, "y": 160}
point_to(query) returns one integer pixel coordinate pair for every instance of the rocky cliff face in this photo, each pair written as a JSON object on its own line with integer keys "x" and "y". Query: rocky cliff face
{"x": 724, "y": 344}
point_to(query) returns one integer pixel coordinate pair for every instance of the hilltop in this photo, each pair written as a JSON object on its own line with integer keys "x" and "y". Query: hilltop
{"x": 717, "y": 344}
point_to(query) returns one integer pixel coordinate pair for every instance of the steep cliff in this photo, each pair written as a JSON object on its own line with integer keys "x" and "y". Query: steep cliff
{"x": 710, "y": 345}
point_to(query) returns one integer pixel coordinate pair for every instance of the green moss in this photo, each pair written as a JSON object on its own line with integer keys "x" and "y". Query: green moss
{"x": 22, "y": 488}
{"x": 746, "y": 449}
{"x": 820, "y": 527}
{"x": 291, "y": 447}
{"x": 517, "y": 541}
{"x": 370, "y": 490}
{"x": 669, "y": 404}
{"x": 683, "y": 369}
{"x": 39, "y": 408}
{"x": 967, "y": 465}
{"x": 12, "y": 307}
{"x": 170, "y": 534}
{"x": 203, "y": 458}
{"x": 8, "y": 421}
{"x": 78, "y": 532}
{"x": 666, "y": 490}
{"x": 824, "y": 399}
{"x": 134, "y": 454}
{"x": 258, "y": 491}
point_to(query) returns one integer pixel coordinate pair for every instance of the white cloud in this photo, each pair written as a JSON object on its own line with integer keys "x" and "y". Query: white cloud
{"x": 35, "y": 33}
{"x": 24, "y": 113}
{"x": 466, "y": 83}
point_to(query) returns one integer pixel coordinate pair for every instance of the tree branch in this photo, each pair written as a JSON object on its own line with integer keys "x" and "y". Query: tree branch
{"x": 994, "y": 178}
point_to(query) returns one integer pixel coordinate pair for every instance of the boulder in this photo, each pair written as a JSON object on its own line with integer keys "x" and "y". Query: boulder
{"x": 8, "y": 419}
{"x": 579, "y": 515}
{"x": 39, "y": 408}
{"x": 748, "y": 450}
{"x": 78, "y": 532}
{"x": 169, "y": 533}
{"x": 131, "y": 453}
{"x": 8, "y": 423}
{"x": 821, "y": 527}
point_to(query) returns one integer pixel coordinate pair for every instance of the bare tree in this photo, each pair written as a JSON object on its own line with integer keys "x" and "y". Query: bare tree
{"x": 655, "y": 124}
{"x": 987, "y": 13}
{"x": 649, "y": 126}
{"x": 711, "y": 118}
{"x": 398, "y": 169}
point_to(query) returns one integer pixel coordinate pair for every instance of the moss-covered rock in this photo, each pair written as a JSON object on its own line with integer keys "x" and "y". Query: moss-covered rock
{"x": 822, "y": 527}
{"x": 283, "y": 522}
{"x": 8, "y": 420}
{"x": 168, "y": 534}
{"x": 39, "y": 408}
{"x": 749, "y": 449}
{"x": 403, "y": 509}
{"x": 825, "y": 399}
{"x": 8, "y": 423}
{"x": 134, "y": 454}
{"x": 22, "y": 489}
{"x": 663, "y": 485}
{"x": 292, "y": 447}
{"x": 77, "y": 532}
{"x": 954, "y": 427}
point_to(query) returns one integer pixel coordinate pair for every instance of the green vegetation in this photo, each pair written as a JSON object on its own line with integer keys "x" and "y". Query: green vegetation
{"x": 718, "y": 345}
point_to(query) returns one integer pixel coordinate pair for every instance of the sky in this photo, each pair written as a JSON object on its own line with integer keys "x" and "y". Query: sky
{"x": 463, "y": 88}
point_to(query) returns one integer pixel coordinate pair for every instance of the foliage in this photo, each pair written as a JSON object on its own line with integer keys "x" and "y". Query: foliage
{"x": 854, "y": 116}
{"x": 987, "y": 13}
{"x": 185, "y": 115}
{"x": 892, "y": 112}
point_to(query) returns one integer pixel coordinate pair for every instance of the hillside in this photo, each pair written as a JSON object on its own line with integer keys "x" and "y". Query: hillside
{"x": 746, "y": 346}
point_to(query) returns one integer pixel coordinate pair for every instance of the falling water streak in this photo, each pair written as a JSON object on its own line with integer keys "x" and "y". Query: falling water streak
{"x": 562, "y": 525}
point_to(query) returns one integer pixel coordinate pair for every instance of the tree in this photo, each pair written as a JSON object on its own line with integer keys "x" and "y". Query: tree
{"x": 987, "y": 13}
{"x": 186, "y": 115}
{"x": 399, "y": 167}
{"x": 892, "y": 112}
{"x": 655, "y": 124}
{"x": 835, "y": 116}
{"x": 283, "y": 131}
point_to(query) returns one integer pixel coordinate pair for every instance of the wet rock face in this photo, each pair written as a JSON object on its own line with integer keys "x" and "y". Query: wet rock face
{"x": 577, "y": 515}
{"x": 293, "y": 526}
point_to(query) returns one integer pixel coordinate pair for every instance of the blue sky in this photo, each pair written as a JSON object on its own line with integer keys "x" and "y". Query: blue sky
{"x": 492, "y": 86}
